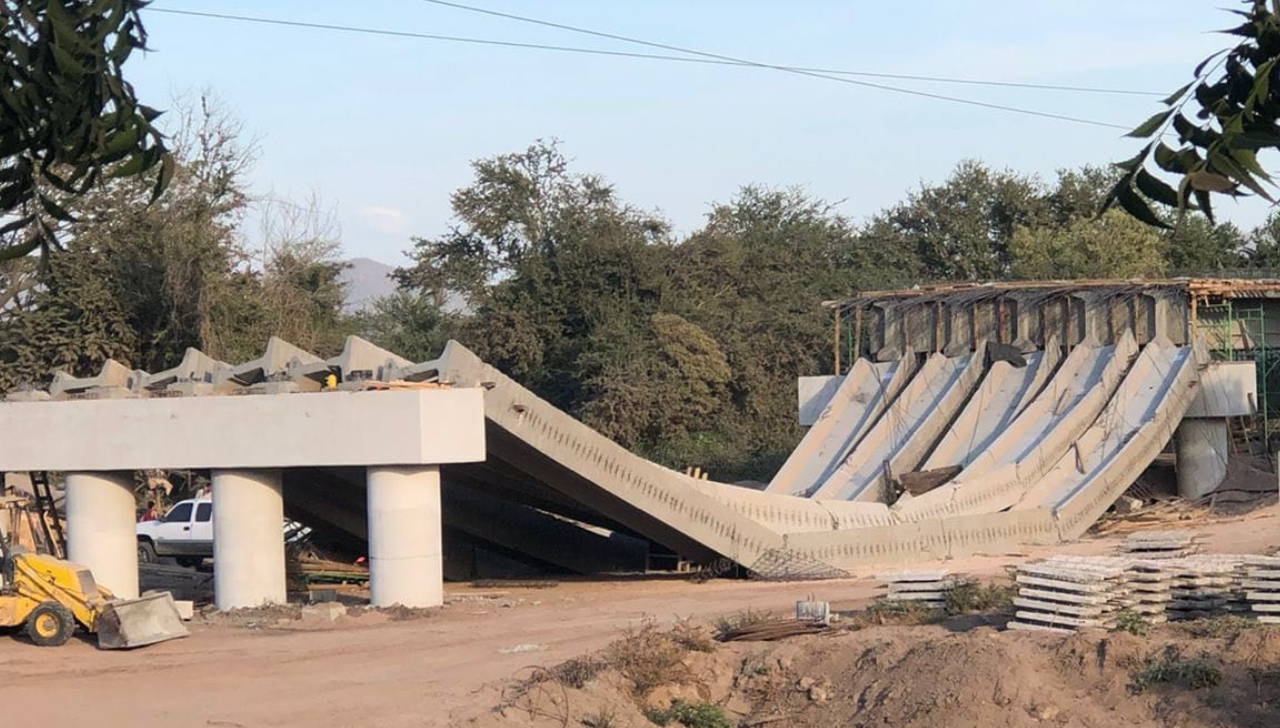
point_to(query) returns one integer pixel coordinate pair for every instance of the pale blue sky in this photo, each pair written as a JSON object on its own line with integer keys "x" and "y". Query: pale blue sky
{"x": 384, "y": 128}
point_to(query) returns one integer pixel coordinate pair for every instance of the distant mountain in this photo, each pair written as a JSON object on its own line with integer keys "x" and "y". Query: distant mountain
{"x": 366, "y": 280}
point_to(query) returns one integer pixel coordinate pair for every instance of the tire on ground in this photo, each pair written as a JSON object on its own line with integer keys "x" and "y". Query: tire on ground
{"x": 50, "y": 624}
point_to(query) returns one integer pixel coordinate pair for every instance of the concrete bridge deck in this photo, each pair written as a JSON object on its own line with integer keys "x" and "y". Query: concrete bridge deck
{"x": 1043, "y": 446}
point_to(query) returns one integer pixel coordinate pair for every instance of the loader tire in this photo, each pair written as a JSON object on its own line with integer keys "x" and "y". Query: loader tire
{"x": 50, "y": 624}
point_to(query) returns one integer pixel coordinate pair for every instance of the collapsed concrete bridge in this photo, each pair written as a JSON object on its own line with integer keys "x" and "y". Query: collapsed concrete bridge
{"x": 943, "y": 438}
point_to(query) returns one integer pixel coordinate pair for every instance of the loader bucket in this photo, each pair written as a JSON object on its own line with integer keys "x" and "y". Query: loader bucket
{"x": 128, "y": 623}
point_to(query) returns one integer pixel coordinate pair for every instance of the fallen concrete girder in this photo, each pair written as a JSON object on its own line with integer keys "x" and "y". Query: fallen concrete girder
{"x": 1042, "y": 447}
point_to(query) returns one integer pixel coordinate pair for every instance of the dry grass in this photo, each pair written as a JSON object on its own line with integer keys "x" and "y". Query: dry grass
{"x": 648, "y": 657}
{"x": 733, "y": 623}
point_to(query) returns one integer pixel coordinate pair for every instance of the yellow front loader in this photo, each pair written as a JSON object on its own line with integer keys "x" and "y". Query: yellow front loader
{"x": 49, "y": 597}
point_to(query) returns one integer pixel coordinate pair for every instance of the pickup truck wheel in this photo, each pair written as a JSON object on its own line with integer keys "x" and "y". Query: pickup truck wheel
{"x": 50, "y": 624}
{"x": 147, "y": 553}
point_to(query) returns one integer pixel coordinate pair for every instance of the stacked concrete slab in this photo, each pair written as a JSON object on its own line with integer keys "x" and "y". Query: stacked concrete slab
{"x": 1065, "y": 594}
{"x": 1262, "y": 588}
{"x": 1161, "y": 544}
{"x": 919, "y": 588}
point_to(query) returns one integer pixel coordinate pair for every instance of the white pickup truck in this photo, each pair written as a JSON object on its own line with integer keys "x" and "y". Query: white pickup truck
{"x": 185, "y": 532}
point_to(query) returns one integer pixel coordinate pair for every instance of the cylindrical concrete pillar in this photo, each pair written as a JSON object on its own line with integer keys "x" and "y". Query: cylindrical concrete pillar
{"x": 1203, "y": 448}
{"x": 101, "y": 512}
{"x": 405, "y": 554}
{"x": 248, "y": 538}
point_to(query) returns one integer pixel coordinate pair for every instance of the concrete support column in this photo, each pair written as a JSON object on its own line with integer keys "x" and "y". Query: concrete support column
{"x": 101, "y": 511}
{"x": 248, "y": 538}
{"x": 405, "y": 555}
{"x": 1203, "y": 448}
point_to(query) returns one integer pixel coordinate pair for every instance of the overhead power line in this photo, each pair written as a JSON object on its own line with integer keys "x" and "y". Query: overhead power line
{"x": 686, "y": 59}
{"x": 758, "y": 64}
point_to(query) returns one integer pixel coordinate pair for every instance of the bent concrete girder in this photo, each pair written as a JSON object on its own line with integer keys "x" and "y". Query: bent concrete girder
{"x": 606, "y": 476}
{"x": 1123, "y": 440}
{"x": 599, "y": 495}
{"x": 997, "y": 477}
{"x": 1004, "y": 392}
{"x": 927, "y": 402}
{"x": 861, "y": 398}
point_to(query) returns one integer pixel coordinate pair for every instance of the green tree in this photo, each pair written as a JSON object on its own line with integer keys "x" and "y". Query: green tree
{"x": 961, "y": 229}
{"x": 1263, "y": 249}
{"x": 1112, "y": 246}
{"x": 1199, "y": 246}
{"x": 68, "y": 118}
{"x": 1221, "y": 120}
{"x": 409, "y": 324}
{"x": 140, "y": 281}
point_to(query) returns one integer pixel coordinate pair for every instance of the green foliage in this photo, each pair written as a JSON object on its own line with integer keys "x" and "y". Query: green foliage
{"x": 141, "y": 282}
{"x": 73, "y": 322}
{"x": 1172, "y": 669}
{"x": 1263, "y": 249}
{"x": 68, "y": 119}
{"x": 1131, "y": 622}
{"x": 1237, "y": 115}
{"x": 970, "y": 596}
{"x": 962, "y": 229}
{"x": 690, "y": 715}
{"x": 1111, "y": 246}
{"x": 410, "y": 324}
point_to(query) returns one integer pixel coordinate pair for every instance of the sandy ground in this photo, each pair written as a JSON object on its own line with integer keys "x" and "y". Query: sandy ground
{"x": 432, "y": 671}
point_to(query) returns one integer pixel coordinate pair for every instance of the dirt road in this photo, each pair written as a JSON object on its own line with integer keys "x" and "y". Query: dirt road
{"x": 366, "y": 671}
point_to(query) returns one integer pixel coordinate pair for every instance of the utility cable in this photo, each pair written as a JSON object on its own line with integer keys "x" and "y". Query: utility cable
{"x": 785, "y": 69}
{"x": 708, "y": 59}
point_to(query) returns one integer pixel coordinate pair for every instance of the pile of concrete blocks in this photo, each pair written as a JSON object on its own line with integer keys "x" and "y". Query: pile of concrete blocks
{"x": 925, "y": 588}
{"x": 1262, "y": 587}
{"x": 1144, "y": 588}
{"x": 1067, "y": 593}
{"x": 1206, "y": 585}
{"x": 1161, "y": 544}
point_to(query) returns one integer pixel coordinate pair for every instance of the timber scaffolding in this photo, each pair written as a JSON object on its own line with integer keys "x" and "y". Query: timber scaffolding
{"x": 1238, "y": 319}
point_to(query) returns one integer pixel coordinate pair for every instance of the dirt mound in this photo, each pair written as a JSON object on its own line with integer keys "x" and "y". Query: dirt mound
{"x": 928, "y": 677}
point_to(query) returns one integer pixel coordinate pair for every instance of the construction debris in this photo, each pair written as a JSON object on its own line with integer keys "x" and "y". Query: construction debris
{"x": 925, "y": 588}
{"x": 769, "y": 631}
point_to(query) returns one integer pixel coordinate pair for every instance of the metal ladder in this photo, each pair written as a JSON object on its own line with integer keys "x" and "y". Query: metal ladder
{"x": 50, "y": 523}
